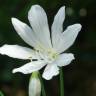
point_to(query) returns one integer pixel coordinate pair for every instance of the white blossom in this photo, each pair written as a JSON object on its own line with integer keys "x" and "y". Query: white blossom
{"x": 47, "y": 50}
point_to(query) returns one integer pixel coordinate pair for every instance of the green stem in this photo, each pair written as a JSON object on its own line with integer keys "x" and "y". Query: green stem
{"x": 42, "y": 86}
{"x": 61, "y": 83}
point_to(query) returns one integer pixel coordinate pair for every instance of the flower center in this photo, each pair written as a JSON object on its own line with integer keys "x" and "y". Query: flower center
{"x": 52, "y": 55}
{"x": 49, "y": 55}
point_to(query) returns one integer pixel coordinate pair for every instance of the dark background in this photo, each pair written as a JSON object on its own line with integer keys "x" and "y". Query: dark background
{"x": 80, "y": 75}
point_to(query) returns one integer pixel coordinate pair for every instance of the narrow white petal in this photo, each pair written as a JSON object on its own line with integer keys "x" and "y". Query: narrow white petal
{"x": 39, "y": 23}
{"x": 68, "y": 37}
{"x": 34, "y": 87}
{"x": 25, "y": 32}
{"x": 64, "y": 59}
{"x": 17, "y": 51}
{"x": 30, "y": 67}
{"x": 50, "y": 71}
{"x": 57, "y": 26}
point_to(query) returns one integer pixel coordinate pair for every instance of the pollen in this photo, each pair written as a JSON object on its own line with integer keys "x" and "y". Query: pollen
{"x": 52, "y": 54}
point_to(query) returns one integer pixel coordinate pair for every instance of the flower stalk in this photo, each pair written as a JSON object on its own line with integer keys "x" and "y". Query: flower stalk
{"x": 42, "y": 86}
{"x": 61, "y": 82}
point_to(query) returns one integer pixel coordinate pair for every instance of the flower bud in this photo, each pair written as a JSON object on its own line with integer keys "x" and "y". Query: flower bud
{"x": 34, "y": 85}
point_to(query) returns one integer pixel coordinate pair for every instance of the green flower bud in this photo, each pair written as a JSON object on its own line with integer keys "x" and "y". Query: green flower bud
{"x": 34, "y": 85}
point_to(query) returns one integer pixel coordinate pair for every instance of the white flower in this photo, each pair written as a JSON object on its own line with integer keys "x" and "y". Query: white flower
{"x": 48, "y": 50}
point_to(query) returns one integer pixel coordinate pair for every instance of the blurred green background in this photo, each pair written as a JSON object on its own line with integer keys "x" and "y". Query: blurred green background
{"x": 80, "y": 75}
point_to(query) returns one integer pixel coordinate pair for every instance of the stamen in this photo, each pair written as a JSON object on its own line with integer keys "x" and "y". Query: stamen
{"x": 46, "y": 54}
{"x": 34, "y": 59}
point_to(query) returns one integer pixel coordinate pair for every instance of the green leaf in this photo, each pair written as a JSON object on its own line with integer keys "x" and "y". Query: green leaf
{"x": 1, "y": 94}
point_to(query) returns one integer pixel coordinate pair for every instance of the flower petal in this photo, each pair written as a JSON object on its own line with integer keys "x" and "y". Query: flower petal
{"x": 25, "y": 32}
{"x": 17, "y": 51}
{"x": 50, "y": 71}
{"x": 64, "y": 59}
{"x": 30, "y": 67}
{"x": 68, "y": 37}
{"x": 57, "y": 26}
{"x": 39, "y": 23}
